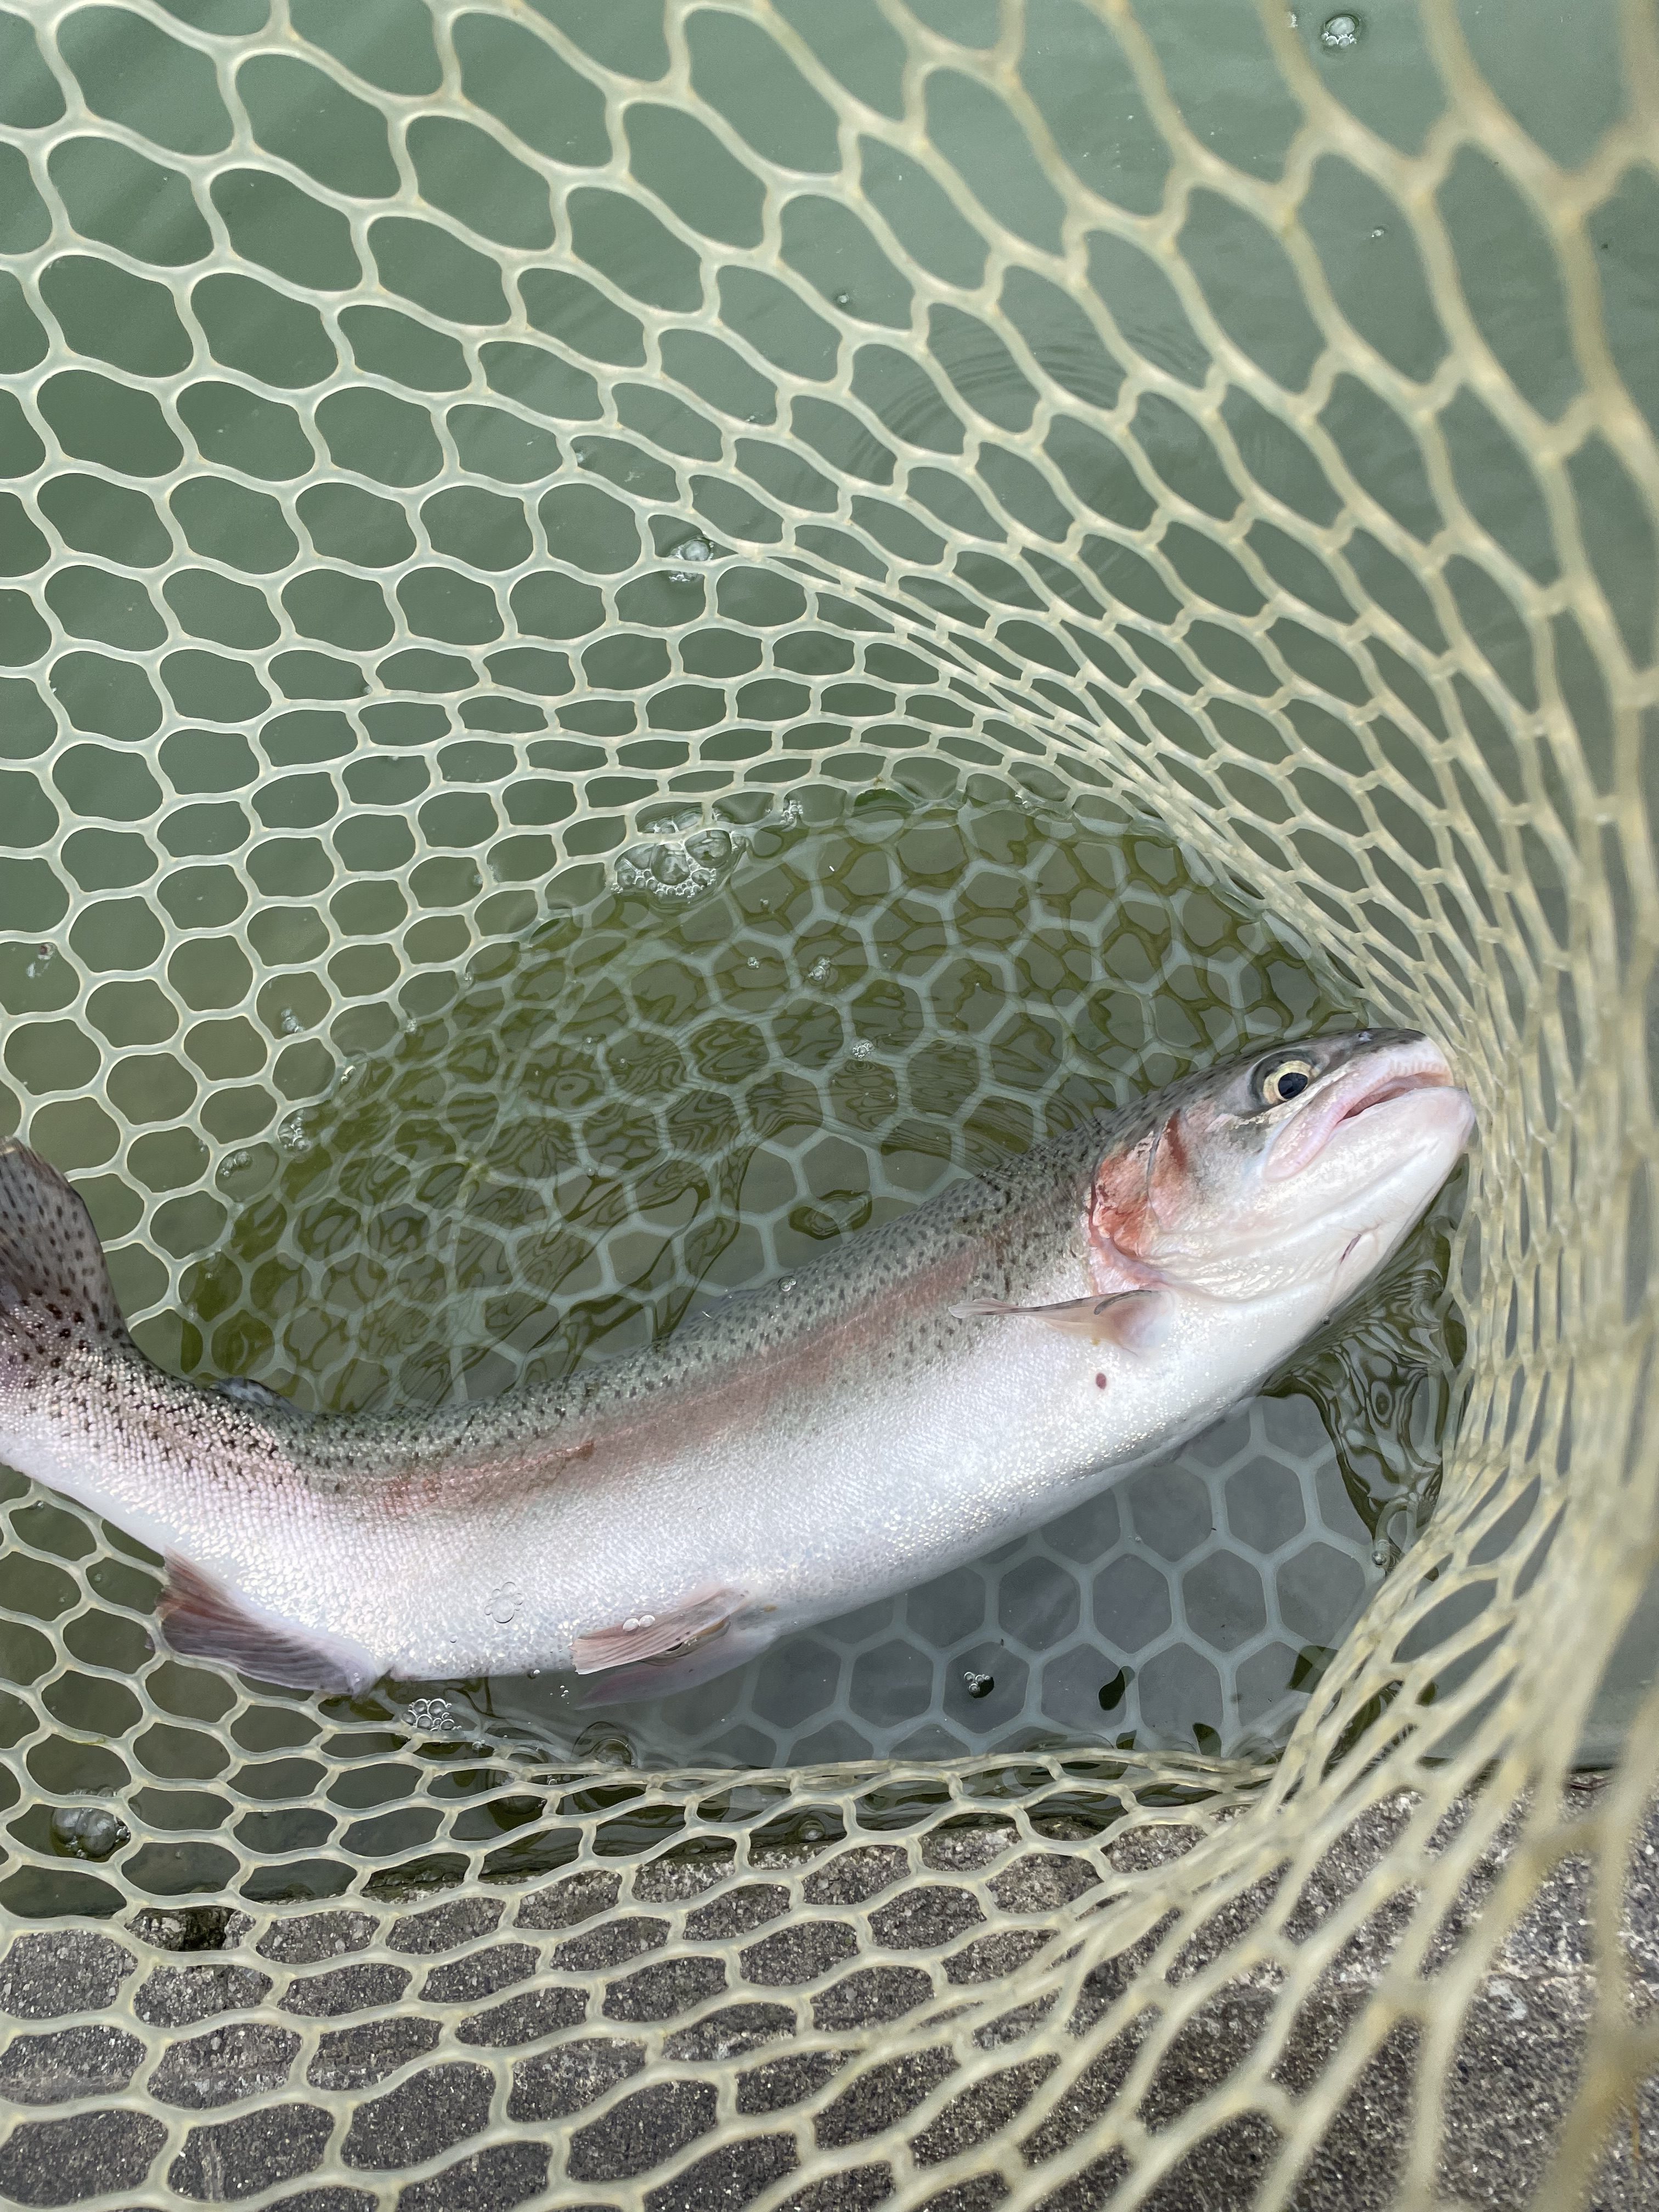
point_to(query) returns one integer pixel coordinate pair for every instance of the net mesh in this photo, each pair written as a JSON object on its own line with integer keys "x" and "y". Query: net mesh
{"x": 505, "y": 504}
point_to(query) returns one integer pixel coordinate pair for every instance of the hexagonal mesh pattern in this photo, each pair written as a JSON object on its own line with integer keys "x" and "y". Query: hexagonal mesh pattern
{"x": 634, "y": 628}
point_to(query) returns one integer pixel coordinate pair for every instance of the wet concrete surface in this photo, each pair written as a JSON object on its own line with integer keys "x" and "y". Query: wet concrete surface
{"x": 1513, "y": 2074}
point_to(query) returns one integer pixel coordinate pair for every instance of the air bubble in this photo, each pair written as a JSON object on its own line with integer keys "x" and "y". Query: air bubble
{"x": 292, "y": 1134}
{"x": 821, "y": 973}
{"x": 979, "y": 1686}
{"x": 670, "y": 820}
{"x": 1337, "y": 34}
{"x": 674, "y": 871}
{"x": 694, "y": 550}
{"x": 504, "y": 1604}
{"x": 431, "y": 1716}
{"x": 605, "y": 1743}
{"x": 88, "y": 1831}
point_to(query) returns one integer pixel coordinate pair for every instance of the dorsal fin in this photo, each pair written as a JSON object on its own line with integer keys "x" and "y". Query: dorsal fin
{"x": 55, "y": 1290}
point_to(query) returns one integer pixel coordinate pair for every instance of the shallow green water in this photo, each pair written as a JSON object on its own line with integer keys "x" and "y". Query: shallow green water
{"x": 772, "y": 1026}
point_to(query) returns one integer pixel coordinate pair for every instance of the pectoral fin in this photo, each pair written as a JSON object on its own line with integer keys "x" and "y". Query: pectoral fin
{"x": 649, "y": 1635}
{"x": 687, "y": 1668}
{"x": 1136, "y": 1320}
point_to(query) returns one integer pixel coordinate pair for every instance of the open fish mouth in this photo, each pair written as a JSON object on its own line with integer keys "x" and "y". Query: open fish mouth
{"x": 1398, "y": 1087}
{"x": 1353, "y": 1091}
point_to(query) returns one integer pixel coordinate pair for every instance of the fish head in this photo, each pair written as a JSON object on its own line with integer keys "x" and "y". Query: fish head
{"x": 1299, "y": 1169}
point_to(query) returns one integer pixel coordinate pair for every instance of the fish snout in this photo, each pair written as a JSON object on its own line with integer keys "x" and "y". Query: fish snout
{"x": 1407, "y": 1066}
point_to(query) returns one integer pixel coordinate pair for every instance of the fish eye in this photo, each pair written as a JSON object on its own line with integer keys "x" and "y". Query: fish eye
{"x": 1279, "y": 1081}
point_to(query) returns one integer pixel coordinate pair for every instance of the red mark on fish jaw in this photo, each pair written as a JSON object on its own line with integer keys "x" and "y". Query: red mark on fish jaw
{"x": 1100, "y": 1382}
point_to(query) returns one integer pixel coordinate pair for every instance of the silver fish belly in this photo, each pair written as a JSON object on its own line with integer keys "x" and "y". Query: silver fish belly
{"x": 914, "y": 1396}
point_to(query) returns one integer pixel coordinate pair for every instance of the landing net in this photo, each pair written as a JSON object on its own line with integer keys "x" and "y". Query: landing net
{"x": 490, "y": 485}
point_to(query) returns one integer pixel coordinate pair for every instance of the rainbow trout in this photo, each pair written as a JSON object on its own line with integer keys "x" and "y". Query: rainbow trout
{"x": 912, "y": 1397}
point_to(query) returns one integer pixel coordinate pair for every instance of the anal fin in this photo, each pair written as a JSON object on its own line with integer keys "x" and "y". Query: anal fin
{"x": 648, "y": 1635}
{"x": 201, "y": 1620}
{"x": 1136, "y": 1320}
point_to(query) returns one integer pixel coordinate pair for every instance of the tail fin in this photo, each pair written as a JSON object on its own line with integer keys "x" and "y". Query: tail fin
{"x": 55, "y": 1290}
{"x": 56, "y": 1298}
